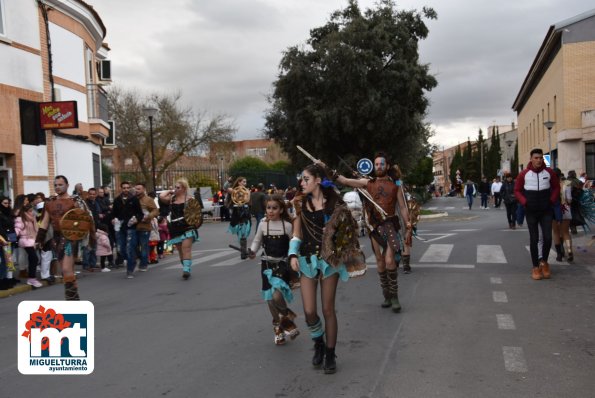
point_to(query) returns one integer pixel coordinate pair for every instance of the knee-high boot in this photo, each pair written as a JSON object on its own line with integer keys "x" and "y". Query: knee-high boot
{"x": 393, "y": 288}
{"x": 570, "y": 255}
{"x": 187, "y": 268}
{"x": 406, "y": 263}
{"x": 385, "y": 292}
{"x": 71, "y": 290}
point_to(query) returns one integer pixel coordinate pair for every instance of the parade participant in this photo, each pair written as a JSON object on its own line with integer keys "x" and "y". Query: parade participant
{"x": 241, "y": 222}
{"x": 273, "y": 234}
{"x": 323, "y": 249}
{"x": 183, "y": 233}
{"x": 537, "y": 188}
{"x": 64, "y": 249}
{"x": 385, "y": 236}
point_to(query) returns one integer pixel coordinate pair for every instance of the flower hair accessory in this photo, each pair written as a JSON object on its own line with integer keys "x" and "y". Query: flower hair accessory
{"x": 327, "y": 183}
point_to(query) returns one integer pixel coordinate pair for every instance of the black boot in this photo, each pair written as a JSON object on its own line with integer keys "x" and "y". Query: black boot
{"x": 318, "y": 351}
{"x": 559, "y": 254}
{"x": 384, "y": 286}
{"x": 393, "y": 288}
{"x": 243, "y": 249}
{"x": 406, "y": 263}
{"x": 330, "y": 365}
{"x": 71, "y": 291}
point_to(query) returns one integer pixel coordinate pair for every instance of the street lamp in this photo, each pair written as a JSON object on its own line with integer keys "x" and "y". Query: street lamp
{"x": 150, "y": 112}
{"x": 548, "y": 125}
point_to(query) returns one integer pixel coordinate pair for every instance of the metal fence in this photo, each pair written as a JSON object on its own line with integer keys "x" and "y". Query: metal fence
{"x": 209, "y": 176}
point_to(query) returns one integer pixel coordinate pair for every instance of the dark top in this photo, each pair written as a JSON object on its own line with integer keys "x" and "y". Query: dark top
{"x": 177, "y": 225}
{"x": 125, "y": 209}
{"x": 312, "y": 226}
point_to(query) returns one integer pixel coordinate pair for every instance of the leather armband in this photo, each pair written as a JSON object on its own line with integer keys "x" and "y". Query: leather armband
{"x": 40, "y": 237}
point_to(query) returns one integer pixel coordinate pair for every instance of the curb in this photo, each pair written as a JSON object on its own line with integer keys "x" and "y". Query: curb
{"x": 23, "y": 288}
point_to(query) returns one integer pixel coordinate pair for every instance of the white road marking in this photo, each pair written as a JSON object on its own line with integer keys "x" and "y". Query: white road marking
{"x": 440, "y": 236}
{"x": 514, "y": 359}
{"x": 371, "y": 263}
{"x": 492, "y": 254}
{"x": 432, "y": 208}
{"x": 229, "y": 262}
{"x": 495, "y": 280}
{"x": 499, "y": 297}
{"x": 201, "y": 260}
{"x": 449, "y": 208}
{"x": 464, "y": 230}
{"x": 551, "y": 258}
{"x": 437, "y": 253}
{"x": 505, "y": 322}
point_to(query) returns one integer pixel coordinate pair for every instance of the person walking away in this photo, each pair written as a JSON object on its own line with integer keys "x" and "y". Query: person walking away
{"x": 273, "y": 235}
{"x": 258, "y": 204}
{"x": 537, "y": 188}
{"x": 510, "y": 202}
{"x": 484, "y": 192}
{"x": 496, "y": 187}
{"x": 470, "y": 192}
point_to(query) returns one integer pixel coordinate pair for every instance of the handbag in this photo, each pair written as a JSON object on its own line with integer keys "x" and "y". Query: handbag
{"x": 12, "y": 237}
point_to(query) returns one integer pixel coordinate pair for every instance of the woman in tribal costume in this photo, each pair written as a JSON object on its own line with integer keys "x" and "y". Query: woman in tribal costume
{"x": 182, "y": 234}
{"x": 323, "y": 249}
{"x": 241, "y": 219}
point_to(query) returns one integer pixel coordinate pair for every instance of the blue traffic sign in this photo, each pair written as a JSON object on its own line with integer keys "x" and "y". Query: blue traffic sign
{"x": 546, "y": 160}
{"x": 365, "y": 166}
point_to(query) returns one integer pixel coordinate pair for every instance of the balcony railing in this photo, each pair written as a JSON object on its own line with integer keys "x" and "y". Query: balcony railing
{"x": 97, "y": 102}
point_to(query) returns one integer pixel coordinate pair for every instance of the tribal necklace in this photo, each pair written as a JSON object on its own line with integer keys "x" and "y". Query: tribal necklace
{"x": 315, "y": 231}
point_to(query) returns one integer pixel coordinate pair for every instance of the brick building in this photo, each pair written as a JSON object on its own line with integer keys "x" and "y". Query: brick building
{"x": 560, "y": 88}
{"x": 51, "y": 50}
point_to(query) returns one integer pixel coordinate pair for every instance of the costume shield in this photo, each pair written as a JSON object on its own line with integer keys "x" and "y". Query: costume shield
{"x": 193, "y": 213}
{"x": 76, "y": 224}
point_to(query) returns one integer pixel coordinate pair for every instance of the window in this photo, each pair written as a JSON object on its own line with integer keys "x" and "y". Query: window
{"x": 2, "y": 23}
{"x": 590, "y": 159}
{"x": 257, "y": 152}
{"x": 31, "y": 133}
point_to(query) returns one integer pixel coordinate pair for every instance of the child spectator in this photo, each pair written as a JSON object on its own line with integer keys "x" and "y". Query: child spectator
{"x": 104, "y": 248}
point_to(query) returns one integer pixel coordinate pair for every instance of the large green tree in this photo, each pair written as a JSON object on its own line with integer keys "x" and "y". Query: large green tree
{"x": 177, "y": 130}
{"x": 357, "y": 86}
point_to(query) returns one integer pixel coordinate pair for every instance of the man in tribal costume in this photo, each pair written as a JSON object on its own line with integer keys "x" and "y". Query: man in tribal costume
{"x": 385, "y": 237}
{"x": 65, "y": 250}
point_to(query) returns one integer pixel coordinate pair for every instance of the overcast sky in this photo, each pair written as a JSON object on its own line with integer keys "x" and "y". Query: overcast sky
{"x": 223, "y": 55}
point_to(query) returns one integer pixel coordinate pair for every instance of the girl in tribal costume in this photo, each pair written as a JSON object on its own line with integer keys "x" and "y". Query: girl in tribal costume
{"x": 323, "y": 249}
{"x": 182, "y": 234}
{"x": 241, "y": 219}
{"x": 274, "y": 233}
{"x": 64, "y": 249}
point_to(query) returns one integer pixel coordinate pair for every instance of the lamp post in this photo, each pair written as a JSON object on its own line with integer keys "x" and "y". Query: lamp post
{"x": 150, "y": 112}
{"x": 548, "y": 125}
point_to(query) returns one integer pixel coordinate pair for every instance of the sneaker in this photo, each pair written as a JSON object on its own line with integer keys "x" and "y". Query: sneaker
{"x": 536, "y": 274}
{"x": 279, "y": 335}
{"x": 142, "y": 269}
{"x": 106, "y": 270}
{"x": 129, "y": 275}
{"x": 34, "y": 282}
{"x": 544, "y": 267}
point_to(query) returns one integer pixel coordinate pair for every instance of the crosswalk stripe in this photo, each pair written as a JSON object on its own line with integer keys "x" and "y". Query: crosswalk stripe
{"x": 552, "y": 257}
{"x": 514, "y": 359}
{"x": 426, "y": 265}
{"x": 437, "y": 253}
{"x": 492, "y": 254}
{"x": 201, "y": 260}
{"x": 499, "y": 297}
{"x": 505, "y": 322}
{"x": 464, "y": 230}
{"x": 226, "y": 263}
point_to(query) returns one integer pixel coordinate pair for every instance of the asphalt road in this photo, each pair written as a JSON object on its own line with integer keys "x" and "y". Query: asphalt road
{"x": 473, "y": 324}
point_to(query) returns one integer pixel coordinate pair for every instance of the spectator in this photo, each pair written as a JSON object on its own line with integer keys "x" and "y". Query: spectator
{"x": 89, "y": 255}
{"x": 470, "y": 192}
{"x": 163, "y": 236}
{"x": 496, "y": 186}
{"x": 484, "y": 191}
{"x": 26, "y": 228}
{"x": 126, "y": 211}
{"x": 104, "y": 248}
{"x": 140, "y": 236}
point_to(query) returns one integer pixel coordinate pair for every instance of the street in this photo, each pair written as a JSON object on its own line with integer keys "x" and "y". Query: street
{"x": 473, "y": 324}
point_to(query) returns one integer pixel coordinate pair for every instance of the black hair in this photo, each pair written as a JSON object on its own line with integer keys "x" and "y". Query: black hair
{"x": 536, "y": 150}
{"x": 103, "y": 227}
{"x": 332, "y": 197}
{"x": 124, "y": 182}
{"x": 62, "y": 177}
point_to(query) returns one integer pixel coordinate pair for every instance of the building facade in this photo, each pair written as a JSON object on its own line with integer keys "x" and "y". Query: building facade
{"x": 51, "y": 50}
{"x": 560, "y": 88}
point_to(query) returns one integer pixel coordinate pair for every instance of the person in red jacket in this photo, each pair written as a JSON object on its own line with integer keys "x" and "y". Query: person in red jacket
{"x": 536, "y": 189}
